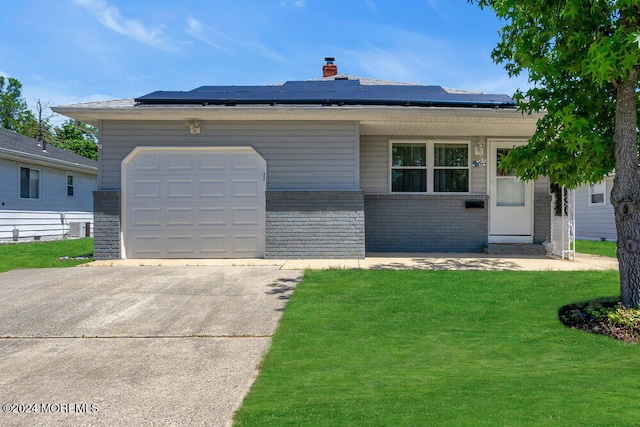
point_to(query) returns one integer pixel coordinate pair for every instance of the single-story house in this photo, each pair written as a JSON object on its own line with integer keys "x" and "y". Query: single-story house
{"x": 333, "y": 167}
{"x": 595, "y": 219}
{"x": 45, "y": 192}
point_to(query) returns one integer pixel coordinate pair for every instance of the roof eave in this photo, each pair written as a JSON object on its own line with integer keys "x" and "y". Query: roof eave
{"x": 93, "y": 115}
{"x": 19, "y": 156}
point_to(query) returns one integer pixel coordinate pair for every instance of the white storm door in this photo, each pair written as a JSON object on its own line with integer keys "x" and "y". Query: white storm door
{"x": 510, "y": 200}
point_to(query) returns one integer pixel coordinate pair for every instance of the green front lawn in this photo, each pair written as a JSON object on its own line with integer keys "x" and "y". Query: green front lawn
{"x": 44, "y": 254}
{"x": 445, "y": 348}
{"x": 607, "y": 249}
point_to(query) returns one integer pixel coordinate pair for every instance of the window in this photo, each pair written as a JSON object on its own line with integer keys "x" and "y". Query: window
{"x": 597, "y": 194}
{"x": 409, "y": 167}
{"x": 510, "y": 189}
{"x": 29, "y": 183}
{"x": 451, "y": 168}
{"x": 428, "y": 167}
{"x": 70, "y": 185}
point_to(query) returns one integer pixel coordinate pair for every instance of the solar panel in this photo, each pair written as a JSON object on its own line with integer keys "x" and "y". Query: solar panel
{"x": 340, "y": 92}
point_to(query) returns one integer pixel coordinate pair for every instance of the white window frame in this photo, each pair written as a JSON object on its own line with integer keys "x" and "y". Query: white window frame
{"x": 73, "y": 185}
{"x": 392, "y": 167}
{"x": 598, "y": 188}
{"x": 430, "y": 167}
{"x": 20, "y": 167}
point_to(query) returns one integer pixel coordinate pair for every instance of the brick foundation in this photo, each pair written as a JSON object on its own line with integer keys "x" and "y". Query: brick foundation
{"x": 314, "y": 224}
{"x": 425, "y": 223}
{"x": 542, "y": 218}
{"x": 106, "y": 224}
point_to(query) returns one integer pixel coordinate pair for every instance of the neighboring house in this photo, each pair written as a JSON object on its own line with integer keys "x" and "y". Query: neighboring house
{"x": 44, "y": 190}
{"x": 328, "y": 168}
{"x": 595, "y": 219}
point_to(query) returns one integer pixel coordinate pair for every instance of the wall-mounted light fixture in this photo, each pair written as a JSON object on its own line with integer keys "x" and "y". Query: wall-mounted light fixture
{"x": 193, "y": 126}
{"x": 480, "y": 148}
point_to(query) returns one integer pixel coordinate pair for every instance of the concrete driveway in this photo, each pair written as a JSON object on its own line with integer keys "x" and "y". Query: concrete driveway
{"x": 135, "y": 345}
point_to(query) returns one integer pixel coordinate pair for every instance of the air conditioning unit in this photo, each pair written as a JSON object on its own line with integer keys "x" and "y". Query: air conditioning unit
{"x": 79, "y": 229}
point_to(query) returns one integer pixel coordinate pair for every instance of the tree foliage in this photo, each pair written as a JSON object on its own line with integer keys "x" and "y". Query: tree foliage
{"x": 14, "y": 113}
{"x": 70, "y": 138}
{"x": 582, "y": 57}
{"x": 576, "y": 53}
{"x": 16, "y": 116}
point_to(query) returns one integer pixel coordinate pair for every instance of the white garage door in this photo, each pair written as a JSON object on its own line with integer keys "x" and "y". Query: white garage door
{"x": 193, "y": 203}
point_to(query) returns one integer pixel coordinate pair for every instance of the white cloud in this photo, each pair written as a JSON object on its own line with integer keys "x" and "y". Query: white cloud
{"x": 294, "y": 3}
{"x": 110, "y": 17}
{"x": 502, "y": 84}
{"x": 225, "y": 43}
{"x": 196, "y": 30}
{"x": 392, "y": 53}
{"x": 3, "y": 74}
{"x": 396, "y": 54}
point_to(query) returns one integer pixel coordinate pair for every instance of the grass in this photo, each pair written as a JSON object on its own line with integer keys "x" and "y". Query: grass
{"x": 607, "y": 249}
{"x": 459, "y": 348}
{"x": 44, "y": 254}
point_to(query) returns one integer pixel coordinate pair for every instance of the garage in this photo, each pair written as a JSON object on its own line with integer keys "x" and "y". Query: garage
{"x": 195, "y": 202}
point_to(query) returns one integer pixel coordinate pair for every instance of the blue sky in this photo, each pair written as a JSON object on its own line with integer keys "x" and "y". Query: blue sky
{"x": 67, "y": 51}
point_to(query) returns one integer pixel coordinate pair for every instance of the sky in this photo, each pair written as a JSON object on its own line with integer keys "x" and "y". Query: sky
{"x": 69, "y": 51}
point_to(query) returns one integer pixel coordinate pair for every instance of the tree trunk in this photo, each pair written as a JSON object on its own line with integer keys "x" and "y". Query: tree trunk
{"x": 625, "y": 196}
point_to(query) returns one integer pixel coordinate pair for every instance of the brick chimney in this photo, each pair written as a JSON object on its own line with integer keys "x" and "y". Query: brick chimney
{"x": 329, "y": 70}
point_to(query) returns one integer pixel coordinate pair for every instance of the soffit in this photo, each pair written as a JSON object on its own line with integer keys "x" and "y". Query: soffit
{"x": 93, "y": 113}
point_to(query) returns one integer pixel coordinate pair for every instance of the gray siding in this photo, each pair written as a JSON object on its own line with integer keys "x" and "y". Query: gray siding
{"x": 374, "y": 166}
{"x": 424, "y": 223}
{"x": 299, "y": 155}
{"x": 478, "y": 184}
{"x": 595, "y": 222}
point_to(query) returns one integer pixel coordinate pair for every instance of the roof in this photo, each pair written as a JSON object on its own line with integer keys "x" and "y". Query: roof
{"x": 16, "y": 146}
{"x": 393, "y": 107}
{"x": 336, "y": 90}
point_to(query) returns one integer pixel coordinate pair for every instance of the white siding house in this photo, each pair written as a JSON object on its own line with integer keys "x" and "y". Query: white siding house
{"x": 44, "y": 191}
{"x": 594, "y": 213}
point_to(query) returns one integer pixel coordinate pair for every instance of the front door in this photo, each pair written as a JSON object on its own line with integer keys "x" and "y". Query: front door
{"x": 510, "y": 200}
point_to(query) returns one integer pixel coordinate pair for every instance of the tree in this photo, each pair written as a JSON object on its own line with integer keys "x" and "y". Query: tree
{"x": 43, "y": 132}
{"x": 16, "y": 116}
{"x": 582, "y": 57}
{"x": 14, "y": 113}
{"x": 70, "y": 138}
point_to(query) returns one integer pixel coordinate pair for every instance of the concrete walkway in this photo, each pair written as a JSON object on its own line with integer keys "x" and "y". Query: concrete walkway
{"x": 397, "y": 261}
{"x": 128, "y": 346}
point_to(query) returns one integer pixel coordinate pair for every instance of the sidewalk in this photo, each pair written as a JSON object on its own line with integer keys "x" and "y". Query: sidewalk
{"x": 397, "y": 261}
